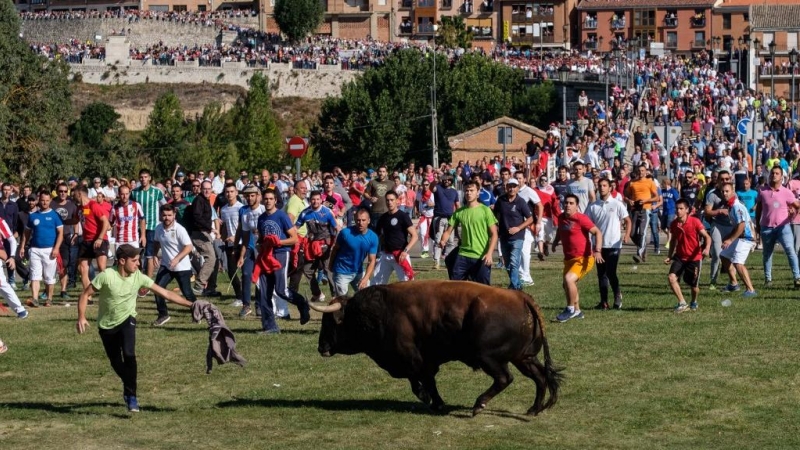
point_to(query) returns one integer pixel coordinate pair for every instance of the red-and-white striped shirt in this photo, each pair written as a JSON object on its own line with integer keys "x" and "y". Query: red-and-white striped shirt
{"x": 125, "y": 219}
{"x": 5, "y": 231}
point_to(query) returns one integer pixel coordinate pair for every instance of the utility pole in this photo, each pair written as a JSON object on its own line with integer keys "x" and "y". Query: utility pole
{"x": 434, "y": 120}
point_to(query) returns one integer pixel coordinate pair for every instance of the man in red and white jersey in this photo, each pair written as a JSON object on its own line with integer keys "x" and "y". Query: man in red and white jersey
{"x": 127, "y": 218}
{"x": 95, "y": 224}
{"x": 549, "y": 219}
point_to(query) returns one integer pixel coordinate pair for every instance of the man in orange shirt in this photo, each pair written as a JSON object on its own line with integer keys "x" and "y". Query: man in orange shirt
{"x": 640, "y": 195}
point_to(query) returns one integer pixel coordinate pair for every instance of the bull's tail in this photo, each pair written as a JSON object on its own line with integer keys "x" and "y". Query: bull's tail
{"x": 552, "y": 374}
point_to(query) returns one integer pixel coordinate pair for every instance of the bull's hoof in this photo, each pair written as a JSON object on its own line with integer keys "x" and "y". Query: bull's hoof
{"x": 423, "y": 396}
{"x": 477, "y": 409}
{"x": 533, "y": 411}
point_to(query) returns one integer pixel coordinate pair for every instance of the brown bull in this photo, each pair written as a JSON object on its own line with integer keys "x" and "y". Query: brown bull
{"x": 410, "y": 329}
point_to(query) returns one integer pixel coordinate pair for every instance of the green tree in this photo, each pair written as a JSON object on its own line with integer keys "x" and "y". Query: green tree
{"x": 34, "y": 100}
{"x": 383, "y": 117}
{"x": 258, "y": 138}
{"x": 453, "y": 33}
{"x": 211, "y": 135}
{"x": 164, "y": 138}
{"x": 298, "y": 18}
{"x": 96, "y": 120}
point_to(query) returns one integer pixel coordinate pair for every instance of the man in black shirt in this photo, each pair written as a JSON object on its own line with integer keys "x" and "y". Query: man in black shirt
{"x": 446, "y": 202}
{"x": 514, "y": 217}
{"x": 201, "y": 228}
{"x": 689, "y": 189}
{"x": 561, "y": 184}
{"x": 397, "y": 236}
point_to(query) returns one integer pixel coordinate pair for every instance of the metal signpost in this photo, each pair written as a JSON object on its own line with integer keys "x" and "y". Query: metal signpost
{"x": 297, "y": 147}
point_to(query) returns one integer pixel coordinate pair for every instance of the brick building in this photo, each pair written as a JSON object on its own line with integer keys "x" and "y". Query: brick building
{"x": 482, "y": 141}
{"x": 539, "y": 23}
{"x": 776, "y": 27}
{"x": 676, "y": 26}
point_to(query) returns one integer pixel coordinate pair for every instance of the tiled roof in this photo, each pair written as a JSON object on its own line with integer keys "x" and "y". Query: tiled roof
{"x": 630, "y": 4}
{"x": 747, "y": 3}
{"x": 504, "y": 120}
{"x": 775, "y": 17}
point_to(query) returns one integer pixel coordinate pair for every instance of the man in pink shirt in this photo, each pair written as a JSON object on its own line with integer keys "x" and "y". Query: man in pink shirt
{"x": 772, "y": 216}
{"x": 794, "y": 214}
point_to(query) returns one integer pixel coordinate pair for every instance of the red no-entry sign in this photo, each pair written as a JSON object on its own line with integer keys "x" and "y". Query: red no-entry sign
{"x": 296, "y": 147}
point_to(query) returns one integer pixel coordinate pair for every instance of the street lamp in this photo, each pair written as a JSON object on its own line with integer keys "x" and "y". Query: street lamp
{"x": 757, "y": 47}
{"x": 563, "y": 76}
{"x": 434, "y": 120}
{"x": 772, "y": 60}
{"x": 606, "y": 65}
{"x": 747, "y": 66}
{"x": 793, "y": 61}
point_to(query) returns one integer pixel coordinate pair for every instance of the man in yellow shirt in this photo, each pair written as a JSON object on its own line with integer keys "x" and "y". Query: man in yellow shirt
{"x": 640, "y": 195}
{"x": 116, "y": 319}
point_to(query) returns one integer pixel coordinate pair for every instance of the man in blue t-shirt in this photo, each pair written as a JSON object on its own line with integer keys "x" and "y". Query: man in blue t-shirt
{"x": 44, "y": 233}
{"x": 669, "y": 195}
{"x": 352, "y": 246}
{"x": 446, "y": 203}
{"x": 277, "y": 236}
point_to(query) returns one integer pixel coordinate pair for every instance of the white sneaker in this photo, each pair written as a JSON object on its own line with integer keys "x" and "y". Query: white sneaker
{"x": 237, "y": 303}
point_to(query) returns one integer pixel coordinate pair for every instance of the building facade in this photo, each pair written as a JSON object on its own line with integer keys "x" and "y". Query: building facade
{"x": 661, "y": 26}
{"x": 777, "y": 29}
{"x": 536, "y": 23}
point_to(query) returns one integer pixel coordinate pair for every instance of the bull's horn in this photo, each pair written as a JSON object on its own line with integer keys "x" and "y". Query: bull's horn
{"x": 327, "y": 308}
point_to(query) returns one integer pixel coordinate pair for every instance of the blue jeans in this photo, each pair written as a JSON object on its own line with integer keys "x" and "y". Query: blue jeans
{"x": 164, "y": 277}
{"x": 654, "y": 223}
{"x": 276, "y": 283}
{"x": 341, "y": 281}
{"x": 464, "y": 268}
{"x": 247, "y": 276}
{"x": 783, "y": 235}
{"x": 512, "y": 254}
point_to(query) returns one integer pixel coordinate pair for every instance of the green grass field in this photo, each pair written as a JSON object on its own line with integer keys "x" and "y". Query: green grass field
{"x": 642, "y": 377}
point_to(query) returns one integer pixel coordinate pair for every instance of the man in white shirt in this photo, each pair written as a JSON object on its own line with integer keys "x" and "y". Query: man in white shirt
{"x": 608, "y": 216}
{"x": 176, "y": 245}
{"x": 218, "y": 182}
{"x": 537, "y": 208}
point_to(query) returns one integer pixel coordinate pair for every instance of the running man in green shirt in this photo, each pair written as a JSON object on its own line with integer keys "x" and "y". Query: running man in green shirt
{"x": 473, "y": 261}
{"x": 116, "y": 319}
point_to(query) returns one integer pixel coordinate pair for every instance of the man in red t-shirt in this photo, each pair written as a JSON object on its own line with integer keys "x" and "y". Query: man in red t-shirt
{"x": 95, "y": 224}
{"x": 574, "y": 229}
{"x": 685, "y": 254}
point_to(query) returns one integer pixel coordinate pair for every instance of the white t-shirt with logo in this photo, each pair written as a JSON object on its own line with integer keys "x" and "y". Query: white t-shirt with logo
{"x": 173, "y": 240}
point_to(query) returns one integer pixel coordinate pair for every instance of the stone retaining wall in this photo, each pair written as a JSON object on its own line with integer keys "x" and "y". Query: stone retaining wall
{"x": 142, "y": 33}
{"x": 285, "y": 81}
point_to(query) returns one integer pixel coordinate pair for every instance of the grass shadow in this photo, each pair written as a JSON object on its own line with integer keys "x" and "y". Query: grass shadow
{"x": 77, "y": 408}
{"x": 341, "y": 405}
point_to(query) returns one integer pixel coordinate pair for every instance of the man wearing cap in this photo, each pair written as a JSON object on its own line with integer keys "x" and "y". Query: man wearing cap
{"x": 513, "y": 217}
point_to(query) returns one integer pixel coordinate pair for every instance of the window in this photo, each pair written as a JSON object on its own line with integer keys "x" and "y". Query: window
{"x": 726, "y": 21}
{"x": 746, "y": 17}
{"x": 766, "y": 38}
{"x": 591, "y": 41}
{"x": 699, "y": 18}
{"x": 201, "y": 8}
{"x": 618, "y": 20}
{"x": 481, "y": 28}
{"x": 425, "y": 25}
{"x": 672, "y": 39}
{"x": 699, "y": 39}
{"x": 671, "y": 18}
{"x": 426, "y": 3}
{"x": 179, "y": 8}
{"x": 446, "y": 4}
{"x": 590, "y": 22}
{"x": 406, "y": 27}
{"x": 644, "y": 18}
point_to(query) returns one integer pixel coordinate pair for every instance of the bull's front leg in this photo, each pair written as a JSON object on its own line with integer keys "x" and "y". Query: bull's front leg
{"x": 429, "y": 383}
{"x": 419, "y": 391}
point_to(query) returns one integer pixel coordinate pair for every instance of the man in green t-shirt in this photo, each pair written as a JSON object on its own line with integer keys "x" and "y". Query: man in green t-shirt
{"x": 116, "y": 319}
{"x": 473, "y": 260}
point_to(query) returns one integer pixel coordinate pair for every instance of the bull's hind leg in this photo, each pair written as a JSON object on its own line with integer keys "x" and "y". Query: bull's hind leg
{"x": 429, "y": 383}
{"x": 530, "y": 368}
{"x": 502, "y": 378}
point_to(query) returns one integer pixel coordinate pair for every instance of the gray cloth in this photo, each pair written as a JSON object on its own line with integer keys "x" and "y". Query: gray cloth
{"x": 221, "y": 341}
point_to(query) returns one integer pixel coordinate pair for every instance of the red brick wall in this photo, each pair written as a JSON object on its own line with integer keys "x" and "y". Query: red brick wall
{"x": 383, "y": 29}
{"x": 485, "y": 144}
{"x": 353, "y": 27}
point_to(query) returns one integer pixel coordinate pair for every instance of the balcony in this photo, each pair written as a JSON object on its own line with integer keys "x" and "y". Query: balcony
{"x": 590, "y": 23}
{"x": 532, "y": 40}
{"x": 482, "y": 33}
{"x": 406, "y": 29}
{"x": 425, "y": 28}
{"x": 590, "y": 45}
{"x": 486, "y": 6}
{"x": 466, "y": 8}
{"x": 618, "y": 24}
{"x": 670, "y": 22}
{"x": 405, "y": 4}
{"x": 699, "y": 44}
{"x": 446, "y": 4}
{"x": 698, "y": 22}
{"x": 671, "y": 44}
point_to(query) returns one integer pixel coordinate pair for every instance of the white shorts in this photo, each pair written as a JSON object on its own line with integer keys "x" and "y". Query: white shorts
{"x": 41, "y": 266}
{"x": 117, "y": 245}
{"x": 738, "y": 251}
{"x": 547, "y": 232}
